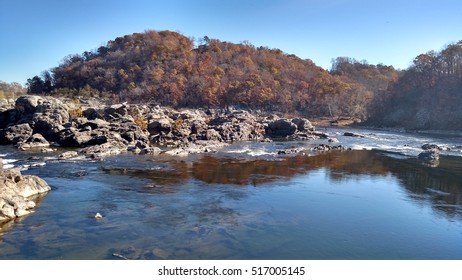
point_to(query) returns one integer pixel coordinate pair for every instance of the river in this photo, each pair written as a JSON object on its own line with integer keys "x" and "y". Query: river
{"x": 376, "y": 201}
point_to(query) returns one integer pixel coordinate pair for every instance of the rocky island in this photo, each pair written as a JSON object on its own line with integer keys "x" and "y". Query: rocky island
{"x": 43, "y": 122}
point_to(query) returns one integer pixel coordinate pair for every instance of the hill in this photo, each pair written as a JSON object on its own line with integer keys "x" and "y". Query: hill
{"x": 428, "y": 95}
{"x": 167, "y": 68}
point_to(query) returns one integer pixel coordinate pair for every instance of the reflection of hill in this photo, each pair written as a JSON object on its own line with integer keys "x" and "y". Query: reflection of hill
{"x": 243, "y": 172}
{"x": 441, "y": 185}
{"x": 165, "y": 180}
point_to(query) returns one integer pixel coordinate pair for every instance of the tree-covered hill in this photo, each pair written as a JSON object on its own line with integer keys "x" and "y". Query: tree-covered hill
{"x": 428, "y": 95}
{"x": 167, "y": 68}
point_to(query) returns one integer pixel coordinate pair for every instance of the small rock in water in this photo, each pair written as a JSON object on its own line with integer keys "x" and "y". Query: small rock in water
{"x": 68, "y": 155}
{"x": 351, "y": 134}
{"x": 98, "y": 216}
{"x": 430, "y": 157}
{"x": 431, "y": 147}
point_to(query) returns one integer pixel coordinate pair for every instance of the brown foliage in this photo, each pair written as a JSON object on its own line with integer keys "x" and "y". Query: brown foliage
{"x": 164, "y": 67}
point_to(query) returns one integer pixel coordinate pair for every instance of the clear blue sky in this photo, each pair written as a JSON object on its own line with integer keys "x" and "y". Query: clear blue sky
{"x": 36, "y": 35}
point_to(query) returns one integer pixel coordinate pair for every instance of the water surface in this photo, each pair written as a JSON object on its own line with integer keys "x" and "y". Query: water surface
{"x": 229, "y": 205}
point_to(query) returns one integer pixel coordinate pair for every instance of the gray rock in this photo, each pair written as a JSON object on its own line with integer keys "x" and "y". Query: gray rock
{"x": 303, "y": 125}
{"x": 333, "y": 140}
{"x": 351, "y": 134}
{"x": 151, "y": 151}
{"x": 71, "y": 137}
{"x": 281, "y": 128}
{"x": 16, "y": 192}
{"x": 50, "y": 116}
{"x": 8, "y": 211}
{"x": 160, "y": 126}
{"x": 116, "y": 111}
{"x": 212, "y": 134}
{"x": 96, "y": 124}
{"x": 68, "y": 155}
{"x": 104, "y": 150}
{"x": 92, "y": 114}
{"x": 27, "y": 104}
{"x": 429, "y": 155}
{"x": 36, "y": 141}
{"x": 325, "y": 148}
{"x": 431, "y": 147}
{"x": 15, "y": 134}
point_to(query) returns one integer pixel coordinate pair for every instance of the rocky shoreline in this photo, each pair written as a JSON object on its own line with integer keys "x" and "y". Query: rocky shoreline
{"x": 96, "y": 130}
{"x": 43, "y": 123}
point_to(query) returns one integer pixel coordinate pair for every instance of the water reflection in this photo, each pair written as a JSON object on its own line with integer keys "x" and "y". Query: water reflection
{"x": 339, "y": 205}
{"x": 441, "y": 185}
{"x": 215, "y": 170}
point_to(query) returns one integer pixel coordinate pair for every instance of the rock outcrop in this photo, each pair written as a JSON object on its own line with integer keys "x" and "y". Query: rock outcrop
{"x": 17, "y": 193}
{"x": 37, "y": 122}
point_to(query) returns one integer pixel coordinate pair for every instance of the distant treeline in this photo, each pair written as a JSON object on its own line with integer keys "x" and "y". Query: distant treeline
{"x": 170, "y": 69}
{"x": 11, "y": 90}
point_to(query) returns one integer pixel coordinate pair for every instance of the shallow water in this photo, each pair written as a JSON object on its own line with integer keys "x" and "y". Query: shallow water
{"x": 234, "y": 205}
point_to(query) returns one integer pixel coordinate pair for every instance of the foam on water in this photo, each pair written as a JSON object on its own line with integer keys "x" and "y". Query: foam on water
{"x": 7, "y": 163}
{"x": 252, "y": 150}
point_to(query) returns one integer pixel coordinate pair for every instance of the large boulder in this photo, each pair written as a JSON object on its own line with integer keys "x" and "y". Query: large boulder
{"x": 116, "y": 111}
{"x": 34, "y": 142}
{"x": 15, "y": 134}
{"x": 72, "y": 137}
{"x": 163, "y": 125}
{"x": 50, "y": 116}
{"x": 280, "y": 128}
{"x": 17, "y": 192}
{"x": 7, "y": 117}
{"x": 92, "y": 114}
{"x": 27, "y": 104}
{"x": 303, "y": 125}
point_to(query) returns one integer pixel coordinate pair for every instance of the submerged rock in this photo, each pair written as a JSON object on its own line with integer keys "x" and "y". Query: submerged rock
{"x": 431, "y": 147}
{"x": 351, "y": 134}
{"x": 326, "y": 148}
